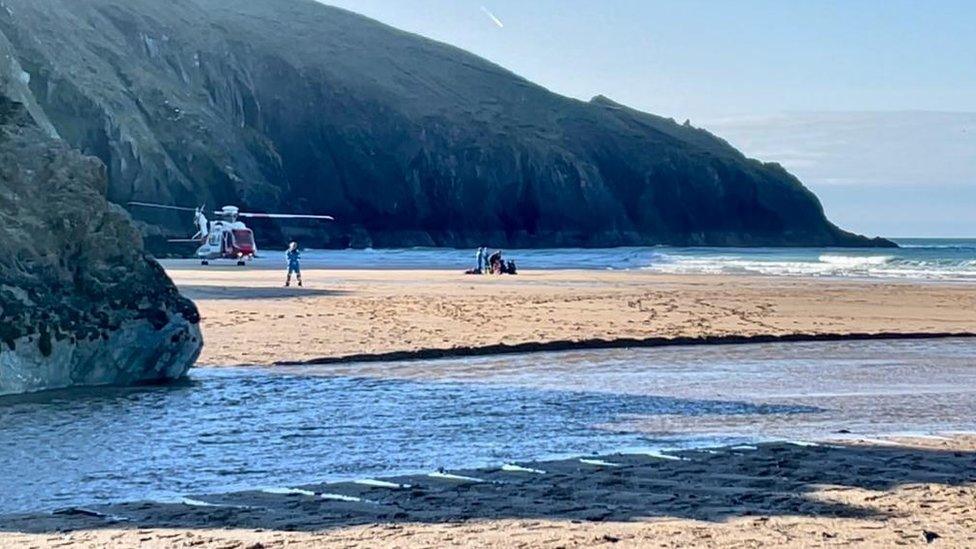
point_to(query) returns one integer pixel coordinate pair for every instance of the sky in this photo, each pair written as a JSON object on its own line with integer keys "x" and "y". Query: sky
{"x": 871, "y": 103}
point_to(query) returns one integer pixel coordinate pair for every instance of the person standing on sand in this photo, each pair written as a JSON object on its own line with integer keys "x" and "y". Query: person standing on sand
{"x": 293, "y": 256}
{"x": 481, "y": 259}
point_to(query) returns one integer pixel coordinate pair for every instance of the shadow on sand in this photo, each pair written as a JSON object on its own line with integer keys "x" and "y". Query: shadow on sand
{"x": 769, "y": 480}
{"x": 253, "y": 292}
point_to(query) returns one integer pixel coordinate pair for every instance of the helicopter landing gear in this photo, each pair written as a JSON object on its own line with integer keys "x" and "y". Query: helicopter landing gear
{"x": 204, "y": 262}
{"x": 240, "y": 263}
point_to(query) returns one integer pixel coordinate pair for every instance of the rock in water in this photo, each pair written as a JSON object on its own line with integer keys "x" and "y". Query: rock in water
{"x": 80, "y": 301}
{"x": 294, "y": 105}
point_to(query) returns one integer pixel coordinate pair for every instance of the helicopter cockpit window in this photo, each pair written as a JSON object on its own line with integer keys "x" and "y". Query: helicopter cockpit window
{"x": 214, "y": 238}
{"x": 243, "y": 238}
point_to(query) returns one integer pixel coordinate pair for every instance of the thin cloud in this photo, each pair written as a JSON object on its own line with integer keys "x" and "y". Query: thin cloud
{"x": 495, "y": 20}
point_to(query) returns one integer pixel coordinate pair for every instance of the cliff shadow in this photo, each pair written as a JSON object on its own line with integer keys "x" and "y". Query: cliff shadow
{"x": 230, "y": 293}
{"x": 775, "y": 479}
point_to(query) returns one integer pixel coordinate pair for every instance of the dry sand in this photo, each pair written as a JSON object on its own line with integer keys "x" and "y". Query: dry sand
{"x": 249, "y": 318}
{"x": 780, "y": 494}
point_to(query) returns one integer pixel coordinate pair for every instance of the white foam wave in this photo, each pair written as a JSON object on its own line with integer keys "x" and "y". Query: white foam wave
{"x": 853, "y": 262}
{"x": 287, "y": 491}
{"x": 822, "y": 265}
{"x": 381, "y": 484}
{"x": 342, "y": 497}
{"x": 512, "y": 468}
{"x": 599, "y": 463}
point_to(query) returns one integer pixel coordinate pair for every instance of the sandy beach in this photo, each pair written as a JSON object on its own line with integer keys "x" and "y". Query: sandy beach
{"x": 250, "y": 318}
{"x": 868, "y": 493}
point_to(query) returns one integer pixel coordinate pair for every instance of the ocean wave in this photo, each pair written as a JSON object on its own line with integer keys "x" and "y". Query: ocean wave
{"x": 847, "y": 261}
{"x": 821, "y": 265}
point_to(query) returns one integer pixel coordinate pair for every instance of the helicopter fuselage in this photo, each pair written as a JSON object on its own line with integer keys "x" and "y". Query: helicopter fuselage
{"x": 228, "y": 240}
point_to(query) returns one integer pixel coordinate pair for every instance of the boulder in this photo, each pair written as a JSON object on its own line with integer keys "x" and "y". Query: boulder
{"x": 81, "y": 303}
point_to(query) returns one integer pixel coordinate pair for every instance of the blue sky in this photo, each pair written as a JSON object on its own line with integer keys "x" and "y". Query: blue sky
{"x": 871, "y": 104}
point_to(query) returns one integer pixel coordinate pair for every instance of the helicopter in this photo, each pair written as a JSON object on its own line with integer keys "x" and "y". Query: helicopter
{"x": 225, "y": 237}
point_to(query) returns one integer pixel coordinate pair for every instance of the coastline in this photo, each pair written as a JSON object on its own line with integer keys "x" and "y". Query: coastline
{"x": 248, "y": 318}
{"x": 900, "y": 491}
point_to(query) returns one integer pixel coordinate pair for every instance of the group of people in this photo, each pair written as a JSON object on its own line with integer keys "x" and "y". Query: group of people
{"x": 492, "y": 263}
{"x": 487, "y": 263}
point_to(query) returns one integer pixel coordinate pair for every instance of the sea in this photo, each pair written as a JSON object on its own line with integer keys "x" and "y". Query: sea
{"x": 916, "y": 258}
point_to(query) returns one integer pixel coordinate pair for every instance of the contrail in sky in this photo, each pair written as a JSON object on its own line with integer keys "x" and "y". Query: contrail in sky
{"x": 494, "y": 19}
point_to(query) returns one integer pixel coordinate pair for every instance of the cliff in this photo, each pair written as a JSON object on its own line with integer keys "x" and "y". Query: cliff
{"x": 293, "y": 105}
{"x": 80, "y": 302}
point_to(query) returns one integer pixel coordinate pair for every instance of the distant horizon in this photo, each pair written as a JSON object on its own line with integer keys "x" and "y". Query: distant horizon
{"x": 897, "y": 238}
{"x": 869, "y": 106}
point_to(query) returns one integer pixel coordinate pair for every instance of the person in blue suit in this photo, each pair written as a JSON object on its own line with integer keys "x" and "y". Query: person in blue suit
{"x": 294, "y": 256}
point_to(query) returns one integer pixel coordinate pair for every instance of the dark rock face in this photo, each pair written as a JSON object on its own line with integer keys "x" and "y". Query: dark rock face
{"x": 293, "y": 105}
{"x": 80, "y": 302}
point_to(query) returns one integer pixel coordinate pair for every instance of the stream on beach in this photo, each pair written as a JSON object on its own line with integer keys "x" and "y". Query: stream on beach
{"x": 236, "y": 428}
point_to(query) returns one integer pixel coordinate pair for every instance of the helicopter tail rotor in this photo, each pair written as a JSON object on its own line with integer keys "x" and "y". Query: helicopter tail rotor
{"x": 201, "y": 222}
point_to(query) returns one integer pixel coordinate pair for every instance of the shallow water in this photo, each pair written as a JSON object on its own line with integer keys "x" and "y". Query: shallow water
{"x": 235, "y": 428}
{"x": 920, "y": 259}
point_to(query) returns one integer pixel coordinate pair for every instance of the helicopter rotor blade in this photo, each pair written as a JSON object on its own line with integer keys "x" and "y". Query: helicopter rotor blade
{"x": 285, "y": 216}
{"x": 161, "y": 206}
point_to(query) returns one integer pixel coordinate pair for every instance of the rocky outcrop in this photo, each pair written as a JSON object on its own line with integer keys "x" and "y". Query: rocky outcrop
{"x": 80, "y": 301}
{"x": 291, "y": 104}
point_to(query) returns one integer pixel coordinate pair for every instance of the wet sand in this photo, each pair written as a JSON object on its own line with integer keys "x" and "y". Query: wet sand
{"x": 249, "y": 318}
{"x": 869, "y": 493}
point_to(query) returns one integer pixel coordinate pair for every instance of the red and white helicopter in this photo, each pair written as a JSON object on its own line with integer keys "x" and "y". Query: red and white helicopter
{"x": 225, "y": 237}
